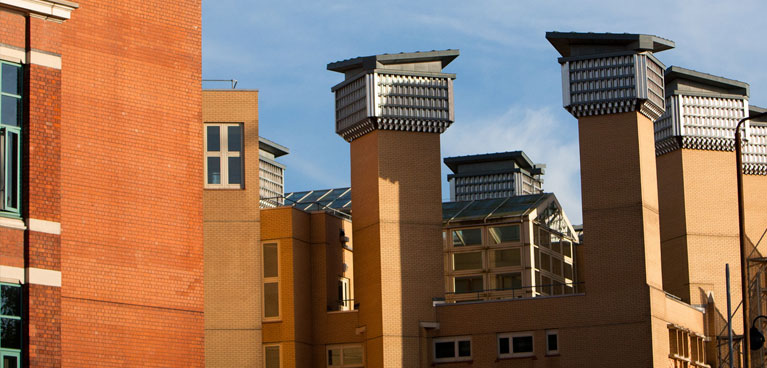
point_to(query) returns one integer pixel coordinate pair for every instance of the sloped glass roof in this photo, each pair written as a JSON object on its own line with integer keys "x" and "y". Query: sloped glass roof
{"x": 339, "y": 199}
{"x": 490, "y": 208}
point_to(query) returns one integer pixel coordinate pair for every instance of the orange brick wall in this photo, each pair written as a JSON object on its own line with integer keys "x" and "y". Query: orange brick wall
{"x": 131, "y": 185}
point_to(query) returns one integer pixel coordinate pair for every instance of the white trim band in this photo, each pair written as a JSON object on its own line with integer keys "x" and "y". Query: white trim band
{"x": 39, "y": 276}
{"x": 42, "y": 226}
{"x": 56, "y": 10}
{"x": 13, "y": 54}
{"x": 12, "y": 274}
{"x": 44, "y": 59}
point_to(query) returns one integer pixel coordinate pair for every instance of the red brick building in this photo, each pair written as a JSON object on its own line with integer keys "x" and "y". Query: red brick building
{"x": 101, "y": 258}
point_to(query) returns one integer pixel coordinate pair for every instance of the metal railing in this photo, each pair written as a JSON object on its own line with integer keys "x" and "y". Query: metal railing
{"x": 522, "y": 292}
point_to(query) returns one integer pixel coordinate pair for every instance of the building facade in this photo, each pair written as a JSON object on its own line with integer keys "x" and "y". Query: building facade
{"x": 271, "y": 172}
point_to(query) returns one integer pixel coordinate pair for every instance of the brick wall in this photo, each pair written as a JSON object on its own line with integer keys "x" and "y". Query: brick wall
{"x": 131, "y": 174}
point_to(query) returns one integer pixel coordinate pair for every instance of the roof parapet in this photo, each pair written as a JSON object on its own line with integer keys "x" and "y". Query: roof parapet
{"x": 580, "y": 44}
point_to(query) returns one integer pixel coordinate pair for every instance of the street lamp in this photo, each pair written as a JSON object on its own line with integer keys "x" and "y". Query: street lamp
{"x": 743, "y": 256}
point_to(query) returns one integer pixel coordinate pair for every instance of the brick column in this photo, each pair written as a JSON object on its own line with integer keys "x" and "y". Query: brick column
{"x": 391, "y": 108}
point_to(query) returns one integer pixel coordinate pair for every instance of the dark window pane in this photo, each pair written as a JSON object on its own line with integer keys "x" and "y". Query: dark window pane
{"x": 10, "y": 304}
{"x": 522, "y": 344}
{"x": 467, "y": 237}
{"x": 334, "y": 356}
{"x": 234, "y": 134}
{"x": 11, "y": 110}
{"x": 270, "y": 260}
{"x": 214, "y": 139}
{"x": 508, "y": 281}
{"x": 10, "y": 333}
{"x": 13, "y": 172}
{"x": 10, "y": 361}
{"x": 272, "y": 356}
{"x": 552, "y": 340}
{"x": 467, "y": 261}
{"x": 504, "y": 234}
{"x": 235, "y": 170}
{"x": 214, "y": 170}
{"x": 468, "y": 284}
{"x": 507, "y": 257}
{"x": 444, "y": 350}
{"x": 503, "y": 345}
{"x": 464, "y": 348}
{"x": 11, "y": 79}
{"x": 271, "y": 300}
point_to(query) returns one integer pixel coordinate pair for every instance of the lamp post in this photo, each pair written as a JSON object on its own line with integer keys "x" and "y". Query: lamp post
{"x": 743, "y": 254}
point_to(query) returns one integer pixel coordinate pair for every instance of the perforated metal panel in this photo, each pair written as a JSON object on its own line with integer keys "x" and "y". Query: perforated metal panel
{"x": 394, "y": 101}
{"x": 614, "y": 84}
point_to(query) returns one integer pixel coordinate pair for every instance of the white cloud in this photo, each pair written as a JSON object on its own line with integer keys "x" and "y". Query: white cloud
{"x": 540, "y": 133}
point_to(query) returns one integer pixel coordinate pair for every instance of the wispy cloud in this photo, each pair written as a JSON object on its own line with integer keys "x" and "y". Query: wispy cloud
{"x": 540, "y": 133}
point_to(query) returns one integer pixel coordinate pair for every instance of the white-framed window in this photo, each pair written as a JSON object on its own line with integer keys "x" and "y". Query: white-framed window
{"x": 516, "y": 345}
{"x": 223, "y": 156}
{"x": 468, "y": 284}
{"x": 271, "y": 278}
{"x": 467, "y": 261}
{"x": 344, "y": 294}
{"x": 452, "y": 349}
{"x": 272, "y": 358}
{"x": 552, "y": 342}
{"x": 345, "y": 356}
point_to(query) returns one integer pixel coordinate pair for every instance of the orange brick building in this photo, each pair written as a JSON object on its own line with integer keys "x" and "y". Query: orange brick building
{"x": 101, "y": 252}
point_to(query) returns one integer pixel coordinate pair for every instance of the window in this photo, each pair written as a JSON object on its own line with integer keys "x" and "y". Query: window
{"x": 515, "y": 345}
{"x": 345, "y": 356}
{"x": 468, "y": 284}
{"x": 271, "y": 275}
{"x": 344, "y": 297}
{"x": 223, "y": 156}
{"x": 452, "y": 349}
{"x": 10, "y": 323}
{"x": 507, "y": 257}
{"x": 552, "y": 342}
{"x": 272, "y": 356}
{"x": 506, "y": 281}
{"x": 504, "y": 234}
{"x": 467, "y": 261}
{"x": 466, "y": 237}
{"x": 10, "y": 136}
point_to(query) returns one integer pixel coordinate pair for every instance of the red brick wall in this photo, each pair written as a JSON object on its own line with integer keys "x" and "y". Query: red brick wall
{"x": 13, "y": 29}
{"x": 44, "y": 329}
{"x": 131, "y": 180}
{"x": 11, "y": 247}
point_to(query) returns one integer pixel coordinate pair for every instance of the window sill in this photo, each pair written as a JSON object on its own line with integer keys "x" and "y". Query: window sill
{"x": 469, "y": 362}
{"x": 12, "y": 221}
{"x": 531, "y": 357}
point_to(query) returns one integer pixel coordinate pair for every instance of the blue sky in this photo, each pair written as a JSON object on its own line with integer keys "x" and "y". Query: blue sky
{"x": 507, "y": 91}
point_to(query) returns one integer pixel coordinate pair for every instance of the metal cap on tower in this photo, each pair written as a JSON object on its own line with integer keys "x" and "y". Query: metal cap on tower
{"x": 405, "y": 91}
{"x": 608, "y": 73}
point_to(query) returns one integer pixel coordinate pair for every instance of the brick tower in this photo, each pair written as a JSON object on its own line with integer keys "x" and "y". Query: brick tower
{"x": 614, "y": 85}
{"x": 392, "y": 108}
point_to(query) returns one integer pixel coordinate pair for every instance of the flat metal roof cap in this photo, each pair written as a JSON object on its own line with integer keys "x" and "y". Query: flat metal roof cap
{"x": 371, "y": 62}
{"x": 575, "y": 44}
{"x": 675, "y": 72}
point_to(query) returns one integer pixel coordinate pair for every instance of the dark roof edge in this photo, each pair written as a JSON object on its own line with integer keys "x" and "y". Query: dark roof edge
{"x": 274, "y": 148}
{"x": 453, "y": 162}
{"x": 638, "y": 42}
{"x": 369, "y": 62}
{"x": 676, "y": 72}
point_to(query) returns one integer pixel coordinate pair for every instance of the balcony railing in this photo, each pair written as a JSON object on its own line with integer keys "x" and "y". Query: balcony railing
{"x": 555, "y": 289}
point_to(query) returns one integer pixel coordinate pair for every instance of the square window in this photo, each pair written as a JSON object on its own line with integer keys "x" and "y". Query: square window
{"x": 467, "y": 237}
{"x": 345, "y": 356}
{"x": 515, "y": 345}
{"x": 504, "y": 234}
{"x": 223, "y": 156}
{"x": 11, "y": 141}
{"x": 507, "y": 257}
{"x": 272, "y": 356}
{"x": 507, "y": 281}
{"x": 468, "y": 284}
{"x": 467, "y": 261}
{"x": 452, "y": 349}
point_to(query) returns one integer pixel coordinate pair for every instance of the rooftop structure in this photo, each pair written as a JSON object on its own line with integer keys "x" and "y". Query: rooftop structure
{"x": 271, "y": 172}
{"x": 493, "y": 175}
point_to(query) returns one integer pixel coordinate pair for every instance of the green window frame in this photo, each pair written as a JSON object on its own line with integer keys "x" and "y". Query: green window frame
{"x": 11, "y": 123}
{"x": 11, "y": 310}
